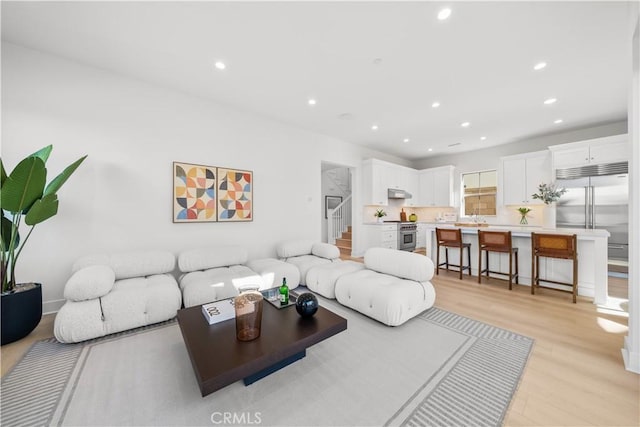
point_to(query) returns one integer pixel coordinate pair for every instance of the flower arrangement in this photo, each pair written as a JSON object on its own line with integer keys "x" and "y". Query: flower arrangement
{"x": 523, "y": 215}
{"x": 380, "y": 213}
{"x": 549, "y": 193}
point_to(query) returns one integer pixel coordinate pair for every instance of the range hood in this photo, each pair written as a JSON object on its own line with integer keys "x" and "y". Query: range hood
{"x": 393, "y": 193}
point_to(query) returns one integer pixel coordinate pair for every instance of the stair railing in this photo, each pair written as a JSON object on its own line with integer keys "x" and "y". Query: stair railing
{"x": 339, "y": 220}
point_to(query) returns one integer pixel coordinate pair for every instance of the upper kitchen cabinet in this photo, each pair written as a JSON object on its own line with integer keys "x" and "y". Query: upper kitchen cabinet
{"x": 375, "y": 182}
{"x": 609, "y": 149}
{"x": 436, "y": 187}
{"x": 522, "y": 174}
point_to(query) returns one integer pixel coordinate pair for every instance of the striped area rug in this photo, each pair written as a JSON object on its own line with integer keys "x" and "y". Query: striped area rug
{"x": 472, "y": 385}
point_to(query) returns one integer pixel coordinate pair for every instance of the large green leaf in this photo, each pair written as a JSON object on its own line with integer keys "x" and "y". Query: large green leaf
{"x": 42, "y": 210}
{"x": 3, "y": 174}
{"x": 43, "y": 153}
{"x": 6, "y": 233}
{"x": 57, "y": 182}
{"x": 24, "y": 186}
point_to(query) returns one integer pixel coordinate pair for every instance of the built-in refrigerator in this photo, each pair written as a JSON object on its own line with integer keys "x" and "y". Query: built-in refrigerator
{"x": 597, "y": 197}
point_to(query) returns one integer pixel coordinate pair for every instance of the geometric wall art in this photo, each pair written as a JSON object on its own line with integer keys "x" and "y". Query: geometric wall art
{"x": 235, "y": 195}
{"x": 194, "y": 193}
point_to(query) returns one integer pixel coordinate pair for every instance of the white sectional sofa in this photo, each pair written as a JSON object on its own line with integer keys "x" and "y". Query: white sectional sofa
{"x": 112, "y": 293}
{"x": 393, "y": 287}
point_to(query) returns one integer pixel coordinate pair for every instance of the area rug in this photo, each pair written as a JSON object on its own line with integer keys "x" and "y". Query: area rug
{"x": 438, "y": 369}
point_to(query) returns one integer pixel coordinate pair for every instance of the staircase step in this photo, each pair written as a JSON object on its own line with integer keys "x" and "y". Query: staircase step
{"x": 349, "y": 229}
{"x": 344, "y": 243}
{"x": 345, "y": 251}
{"x": 347, "y": 235}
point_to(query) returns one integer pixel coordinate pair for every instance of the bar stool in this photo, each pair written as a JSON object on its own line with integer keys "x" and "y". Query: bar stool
{"x": 497, "y": 241}
{"x": 563, "y": 246}
{"x": 451, "y": 238}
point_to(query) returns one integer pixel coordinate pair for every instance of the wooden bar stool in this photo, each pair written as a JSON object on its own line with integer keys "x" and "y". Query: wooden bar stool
{"x": 563, "y": 246}
{"x": 497, "y": 241}
{"x": 452, "y": 238}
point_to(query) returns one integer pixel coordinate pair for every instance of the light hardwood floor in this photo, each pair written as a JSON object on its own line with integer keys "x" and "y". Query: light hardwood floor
{"x": 575, "y": 375}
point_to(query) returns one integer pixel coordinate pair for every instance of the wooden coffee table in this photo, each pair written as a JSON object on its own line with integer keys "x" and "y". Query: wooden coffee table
{"x": 219, "y": 358}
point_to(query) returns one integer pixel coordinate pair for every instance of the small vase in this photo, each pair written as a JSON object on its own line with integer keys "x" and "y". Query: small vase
{"x": 550, "y": 216}
{"x": 380, "y": 219}
{"x": 523, "y": 220}
{"x": 248, "y": 307}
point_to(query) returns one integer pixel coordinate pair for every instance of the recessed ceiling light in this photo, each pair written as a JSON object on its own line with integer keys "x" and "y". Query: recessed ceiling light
{"x": 549, "y": 101}
{"x": 465, "y": 124}
{"x": 312, "y": 101}
{"x": 430, "y": 149}
{"x": 435, "y": 104}
{"x": 482, "y": 138}
{"x": 444, "y": 14}
{"x": 374, "y": 127}
{"x": 220, "y": 65}
{"x": 558, "y": 121}
{"x": 405, "y": 140}
{"x": 539, "y": 66}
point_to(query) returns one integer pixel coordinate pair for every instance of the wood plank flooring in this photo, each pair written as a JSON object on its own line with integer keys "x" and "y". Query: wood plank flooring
{"x": 575, "y": 375}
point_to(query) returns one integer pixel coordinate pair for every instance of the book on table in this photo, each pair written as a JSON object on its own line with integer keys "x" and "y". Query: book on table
{"x": 219, "y": 311}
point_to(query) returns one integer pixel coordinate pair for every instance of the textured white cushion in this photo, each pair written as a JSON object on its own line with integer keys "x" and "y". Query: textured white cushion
{"x": 89, "y": 283}
{"x": 305, "y": 262}
{"x": 403, "y": 264}
{"x": 385, "y": 298}
{"x": 201, "y": 287}
{"x": 325, "y": 250}
{"x": 205, "y": 258}
{"x": 273, "y": 271}
{"x": 291, "y": 248}
{"x": 322, "y": 278}
{"x": 131, "y": 303}
{"x": 131, "y": 264}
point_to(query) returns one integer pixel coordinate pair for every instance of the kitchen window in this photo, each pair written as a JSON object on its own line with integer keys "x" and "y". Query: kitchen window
{"x": 479, "y": 193}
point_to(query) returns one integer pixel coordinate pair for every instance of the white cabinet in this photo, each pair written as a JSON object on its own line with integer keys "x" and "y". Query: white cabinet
{"x": 609, "y": 149}
{"x": 410, "y": 184}
{"x": 436, "y": 187}
{"x": 374, "y": 182}
{"x": 421, "y": 236}
{"x": 381, "y": 236}
{"x": 522, "y": 174}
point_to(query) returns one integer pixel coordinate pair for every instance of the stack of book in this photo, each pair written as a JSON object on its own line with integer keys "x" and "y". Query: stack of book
{"x": 219, "y": 311}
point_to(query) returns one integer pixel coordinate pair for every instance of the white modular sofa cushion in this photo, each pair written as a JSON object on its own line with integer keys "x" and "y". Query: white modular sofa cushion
{"x": 131, "y": 264}
{"x": 393, "y": 288}
{"x": 214, "y": 273}
{"x": 272, "y": 271}
{"x": 305, "y": 254}
{"x": 130, "y": 303}
{"x": 90, "y": 282}
{"x": 322, "y": 278}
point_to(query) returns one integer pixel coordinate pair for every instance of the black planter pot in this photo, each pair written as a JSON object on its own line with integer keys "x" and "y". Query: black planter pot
{"x": 21, "y": 311}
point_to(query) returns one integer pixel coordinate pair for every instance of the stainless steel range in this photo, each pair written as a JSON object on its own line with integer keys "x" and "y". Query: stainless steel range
{"x": 407, "y": 232}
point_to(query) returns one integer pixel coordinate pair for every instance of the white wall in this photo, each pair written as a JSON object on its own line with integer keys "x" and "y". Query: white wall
{"x": 120, "y": 198}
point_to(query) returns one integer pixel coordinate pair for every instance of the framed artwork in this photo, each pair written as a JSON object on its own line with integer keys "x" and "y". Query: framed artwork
{"x": 331, "y": 202}
{"x": 235, "y": 195}
{"x": 194, "y": 193}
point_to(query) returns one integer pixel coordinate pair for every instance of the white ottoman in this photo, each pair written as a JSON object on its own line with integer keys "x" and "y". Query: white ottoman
{"x": 393, "y": 287}
{"x": 273, "y": 271}
{"x": 322, "y": 278}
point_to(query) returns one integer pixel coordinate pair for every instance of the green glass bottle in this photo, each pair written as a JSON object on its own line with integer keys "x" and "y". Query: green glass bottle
{"x": 284, "y": 292}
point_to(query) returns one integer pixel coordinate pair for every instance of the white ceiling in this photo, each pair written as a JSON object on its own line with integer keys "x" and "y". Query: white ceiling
{"x": 375, "y": 62}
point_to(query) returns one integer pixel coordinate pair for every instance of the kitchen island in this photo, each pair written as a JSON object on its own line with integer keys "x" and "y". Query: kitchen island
{"x": 592, "y": 256}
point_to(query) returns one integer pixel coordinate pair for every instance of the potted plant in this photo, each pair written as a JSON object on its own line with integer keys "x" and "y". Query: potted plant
{"x": 379, "y": 214}
{"x": 549, "y": 194}
{"x": 523, "y": 215}
{"x": 26, "y": 198}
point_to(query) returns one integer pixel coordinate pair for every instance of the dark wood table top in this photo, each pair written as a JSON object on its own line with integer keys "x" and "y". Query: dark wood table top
{"x": 220, "y": 359}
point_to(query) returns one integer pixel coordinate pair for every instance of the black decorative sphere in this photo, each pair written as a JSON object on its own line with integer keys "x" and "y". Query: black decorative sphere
{"x": 307, "y": 304}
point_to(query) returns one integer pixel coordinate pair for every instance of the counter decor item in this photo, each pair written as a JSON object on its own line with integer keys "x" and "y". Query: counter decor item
{"x": 307, "y": 304}
{"x": 413, "y": 217}
{"x": 379, "y": 214}
{"x": 523, "y": 215}
{"x": 403, "y": 216}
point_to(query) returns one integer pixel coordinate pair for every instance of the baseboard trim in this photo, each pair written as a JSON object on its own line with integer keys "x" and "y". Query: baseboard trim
{"x": 631, "y": 359}
{"x": 49, "y": 307}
